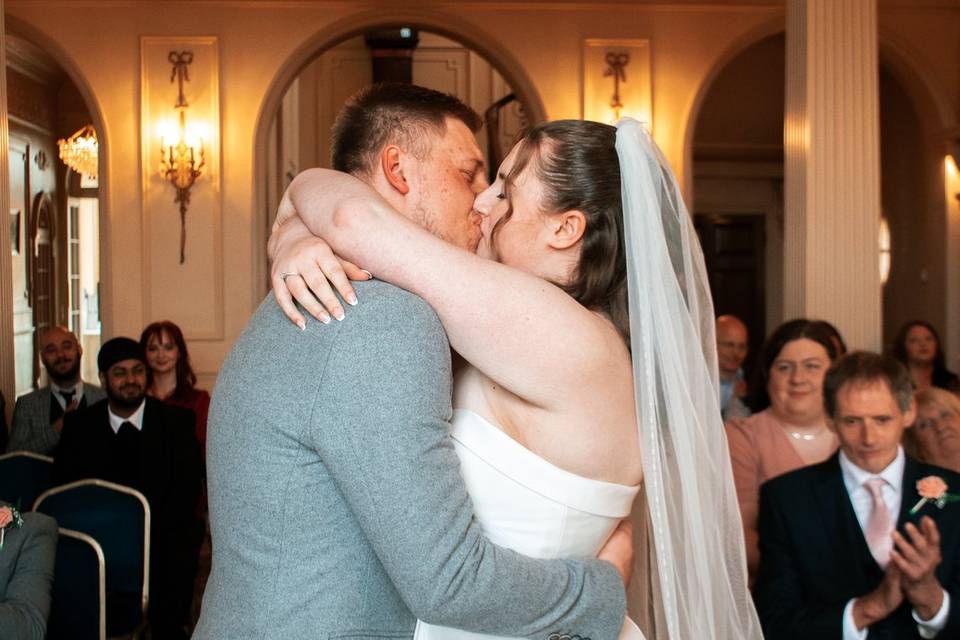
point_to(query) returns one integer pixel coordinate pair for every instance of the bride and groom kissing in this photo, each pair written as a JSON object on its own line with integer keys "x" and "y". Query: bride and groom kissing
{"x": 358, "y": 489}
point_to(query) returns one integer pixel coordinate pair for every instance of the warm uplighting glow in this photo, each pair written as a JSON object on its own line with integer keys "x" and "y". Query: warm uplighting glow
{"x": 884, "y": 242}
{"x": 951, "y": 167}
{"x": 80, "y": 152}
{"x": 951, "y": 184}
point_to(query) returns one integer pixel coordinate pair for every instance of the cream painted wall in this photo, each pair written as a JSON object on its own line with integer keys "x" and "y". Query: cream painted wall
{"x": 257, "y": 38}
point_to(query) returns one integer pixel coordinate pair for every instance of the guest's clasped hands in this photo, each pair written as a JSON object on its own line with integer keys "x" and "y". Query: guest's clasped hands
{"x": 918, "y": 559}
{"x": 909, "y": 576}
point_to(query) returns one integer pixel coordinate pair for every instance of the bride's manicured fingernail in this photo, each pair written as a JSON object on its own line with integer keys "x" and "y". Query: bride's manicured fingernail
{"x": 338, "y": 314}
{"x": 352, "y": 299}
{"x": 324, "y": 318}
{"x": 369, "y": 275}
{"x": 302, "y": 325}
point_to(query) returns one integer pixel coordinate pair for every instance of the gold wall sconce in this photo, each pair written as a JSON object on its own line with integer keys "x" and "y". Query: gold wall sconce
{"x": 80, "y": 152}
{"x": 181, "y": 161}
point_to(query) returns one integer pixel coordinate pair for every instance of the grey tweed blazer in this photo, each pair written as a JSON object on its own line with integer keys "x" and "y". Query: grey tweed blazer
{"x": 30, "y": 428}
{"x": 336, "y": 504}
{"x": 26, "y": 577}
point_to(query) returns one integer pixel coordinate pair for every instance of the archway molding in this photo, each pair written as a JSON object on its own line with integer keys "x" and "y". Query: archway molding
{"x": 443, "y": 24}
{"x": 22, "y": 29}
{"x": 739, "y": 45}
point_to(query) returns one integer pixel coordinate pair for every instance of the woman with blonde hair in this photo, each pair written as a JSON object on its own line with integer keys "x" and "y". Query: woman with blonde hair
{"x": 935, "y": 437}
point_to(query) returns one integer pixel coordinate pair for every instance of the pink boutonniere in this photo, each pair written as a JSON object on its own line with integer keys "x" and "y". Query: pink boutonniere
{"x": 933, "y": 489}
{"x": 10, "y": 518}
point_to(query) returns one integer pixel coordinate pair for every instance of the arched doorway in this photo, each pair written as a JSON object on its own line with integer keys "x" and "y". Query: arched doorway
{"x": 453, "y": 49}
{"x": 55, "y": 213}
{"x": 737, "y": 152}
{"x": 737, "y": 159}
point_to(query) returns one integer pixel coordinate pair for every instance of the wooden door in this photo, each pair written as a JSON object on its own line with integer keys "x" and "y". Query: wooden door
{"x": 41, "y": 277}
{"x": 733, "y": 249}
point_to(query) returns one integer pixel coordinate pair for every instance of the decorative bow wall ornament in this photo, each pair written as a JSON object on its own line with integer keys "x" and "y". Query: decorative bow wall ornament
{"x": 616, "y": 63}
{"x": 181, "y": 163}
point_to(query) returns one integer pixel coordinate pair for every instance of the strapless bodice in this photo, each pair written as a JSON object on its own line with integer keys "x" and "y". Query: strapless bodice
{"x": 527, "y": 504}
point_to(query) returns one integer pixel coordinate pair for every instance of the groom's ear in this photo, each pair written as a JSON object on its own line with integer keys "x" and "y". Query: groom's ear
{"x": 566, "y": 228}
{"x": 392, "y": 165}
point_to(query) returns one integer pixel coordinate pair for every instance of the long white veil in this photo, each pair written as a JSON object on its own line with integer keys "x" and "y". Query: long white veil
{"x": 699, "y": 564}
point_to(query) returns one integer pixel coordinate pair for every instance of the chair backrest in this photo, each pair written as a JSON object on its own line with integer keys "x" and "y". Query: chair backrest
{"x": 24, "y": 475}
{"x": 118, "y": 518}
{"x": 78, "y": 605}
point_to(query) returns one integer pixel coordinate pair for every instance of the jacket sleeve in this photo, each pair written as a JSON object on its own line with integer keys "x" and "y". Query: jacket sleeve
{"x": 26, "y": 604}
{"x": 785, "y": 612}
{"x": 25, "y": 434}
{"x": 388, "y": 448}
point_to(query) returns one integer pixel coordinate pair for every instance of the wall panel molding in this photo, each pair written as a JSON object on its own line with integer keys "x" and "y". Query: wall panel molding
{"x": 190, "y": 294}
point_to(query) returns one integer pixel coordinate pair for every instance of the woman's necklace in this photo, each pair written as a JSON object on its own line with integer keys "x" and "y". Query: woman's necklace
{"x": 807, "y": 437}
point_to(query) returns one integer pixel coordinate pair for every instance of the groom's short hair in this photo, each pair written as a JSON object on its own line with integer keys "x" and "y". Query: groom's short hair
{"x": 393, "y": 113}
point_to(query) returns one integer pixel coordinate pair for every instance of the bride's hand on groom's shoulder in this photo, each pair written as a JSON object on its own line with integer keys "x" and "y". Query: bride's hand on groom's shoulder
{"x": 304, "y": 268}
{"x": 618, "y": 551}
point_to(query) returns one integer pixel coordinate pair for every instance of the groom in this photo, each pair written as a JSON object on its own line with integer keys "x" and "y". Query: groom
{"x": 336, "y": 503}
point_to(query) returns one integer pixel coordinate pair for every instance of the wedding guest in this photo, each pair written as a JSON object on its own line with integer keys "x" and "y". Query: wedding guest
{"x": 732, "y": 346}
{"x": 143, "y": 443}
{"x": 918, "y": 346}
{"x": 26, "y": 573}
{"x": 172, "y": 379}
{"x": 791, "y": 430}
{"x": 935, "y": 437}
{"x": 859, "y": 546}
{"x": 38, "y": 415}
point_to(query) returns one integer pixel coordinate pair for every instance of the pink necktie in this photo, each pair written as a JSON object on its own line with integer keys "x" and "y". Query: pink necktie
{"x": 880, "y": 524}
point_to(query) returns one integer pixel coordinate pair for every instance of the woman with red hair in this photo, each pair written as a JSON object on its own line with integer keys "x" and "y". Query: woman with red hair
{"x": 172, "y": 379}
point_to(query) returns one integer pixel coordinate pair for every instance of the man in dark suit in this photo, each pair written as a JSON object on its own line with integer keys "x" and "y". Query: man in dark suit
{"x": 842, "y": 556}
{"x": 142, "y": 443}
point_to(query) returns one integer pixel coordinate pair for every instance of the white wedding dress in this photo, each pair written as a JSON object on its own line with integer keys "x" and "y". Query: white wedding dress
{"x": 527, "y": 504}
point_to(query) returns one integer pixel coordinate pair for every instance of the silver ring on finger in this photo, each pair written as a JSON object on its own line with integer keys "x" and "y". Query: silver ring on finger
{"x": 286, "y": 274}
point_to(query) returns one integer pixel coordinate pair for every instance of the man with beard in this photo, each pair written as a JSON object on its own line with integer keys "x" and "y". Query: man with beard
{"x": 38, "y": 416}
{"x": 142, "y": 443}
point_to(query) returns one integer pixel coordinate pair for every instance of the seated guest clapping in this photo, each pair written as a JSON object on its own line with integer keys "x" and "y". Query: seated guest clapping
{"x": 38, "y": 415}
{"x": 864, "y": 545}
{"x": 148, "y": 445}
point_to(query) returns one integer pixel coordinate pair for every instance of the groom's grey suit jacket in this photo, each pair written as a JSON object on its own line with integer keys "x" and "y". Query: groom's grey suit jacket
{"x": 337, "y": 508}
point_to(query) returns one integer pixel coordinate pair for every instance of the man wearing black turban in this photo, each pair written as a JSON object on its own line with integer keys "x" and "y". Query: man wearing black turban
{"x": 140, "y": 442}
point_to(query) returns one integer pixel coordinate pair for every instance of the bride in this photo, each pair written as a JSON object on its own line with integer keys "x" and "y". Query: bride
{"x": 587, "y": 327}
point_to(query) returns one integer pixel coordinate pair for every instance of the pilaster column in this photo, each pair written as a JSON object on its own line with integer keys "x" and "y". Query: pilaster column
{"x": 832, "y": 172}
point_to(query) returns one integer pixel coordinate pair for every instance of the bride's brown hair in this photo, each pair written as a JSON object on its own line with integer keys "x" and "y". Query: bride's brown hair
{"x": 576, "y": 162}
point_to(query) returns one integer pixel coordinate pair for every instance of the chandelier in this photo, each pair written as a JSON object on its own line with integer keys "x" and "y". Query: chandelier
{"x": 79, "y": 151}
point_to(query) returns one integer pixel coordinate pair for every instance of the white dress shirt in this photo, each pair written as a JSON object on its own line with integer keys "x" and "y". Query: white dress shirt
{"x": 853, "y": 479}
{"x": 136, "y": 418}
